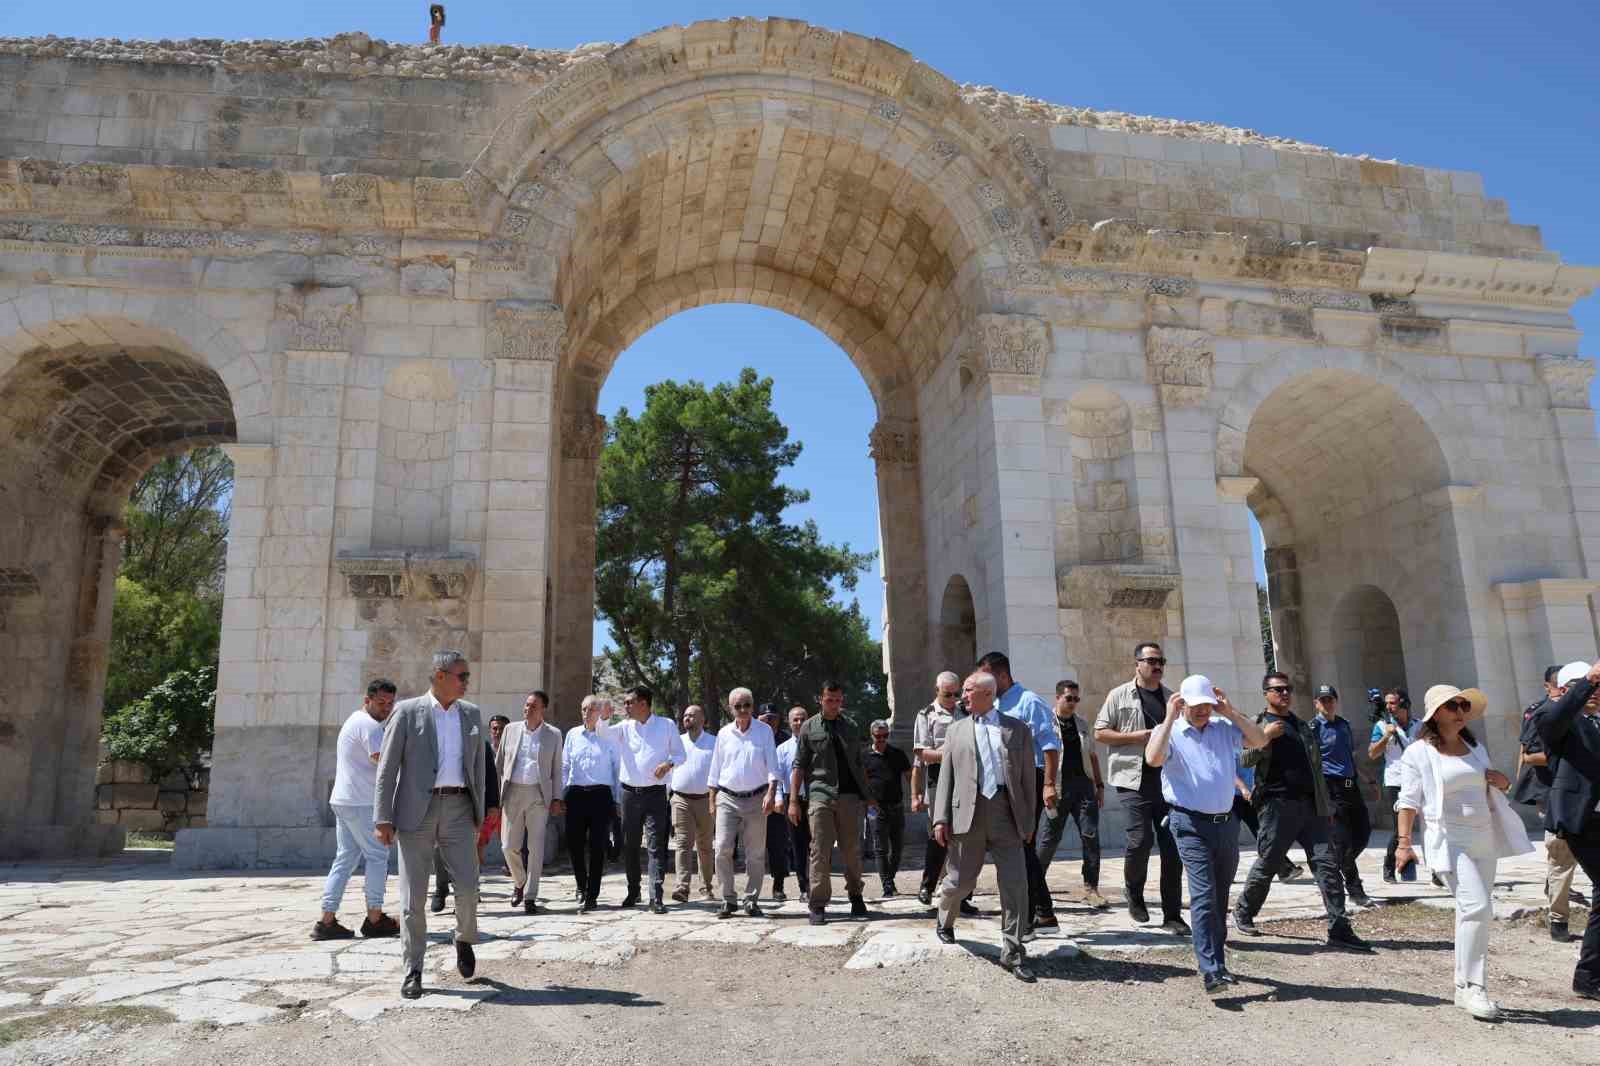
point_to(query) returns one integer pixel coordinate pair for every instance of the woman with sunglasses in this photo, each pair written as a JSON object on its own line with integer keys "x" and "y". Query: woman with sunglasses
{"x": 1469, "y": 825}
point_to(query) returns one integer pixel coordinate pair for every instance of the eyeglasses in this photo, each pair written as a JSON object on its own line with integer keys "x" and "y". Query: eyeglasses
{"x": 1462, "y": 706}
{"x": 463, "y": 675}
{"x": 949, "y": 695}
{"x": 1069, "y": 699}
{"x": 743, "y": 705}
{"x": 1280, "y": 689}
{"x": 1153, "y": 661}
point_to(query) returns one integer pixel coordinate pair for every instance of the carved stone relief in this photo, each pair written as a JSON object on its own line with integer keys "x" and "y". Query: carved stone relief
{"x": 526, "y": 329}
{"x": 1179, "y": 362}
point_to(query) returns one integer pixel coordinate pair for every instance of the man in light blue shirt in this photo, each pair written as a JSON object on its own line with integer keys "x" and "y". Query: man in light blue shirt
{"x": 591, "y": 786}
{"x": 1197, "y": 748}
{"x": 799, "y": 835}
{"x": 1027, "y": 707}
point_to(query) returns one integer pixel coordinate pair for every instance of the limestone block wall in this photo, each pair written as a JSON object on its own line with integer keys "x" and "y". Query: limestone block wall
{"x": 129, "y": 796}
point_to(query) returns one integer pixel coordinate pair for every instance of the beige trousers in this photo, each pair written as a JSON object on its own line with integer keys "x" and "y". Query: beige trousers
{"x": 836, "y": 820}
{"x": 524, "y": 814}
{"x": 742, "y": 819}
{"x": 692, "y": 835}
{"x": 1560, "y": 865}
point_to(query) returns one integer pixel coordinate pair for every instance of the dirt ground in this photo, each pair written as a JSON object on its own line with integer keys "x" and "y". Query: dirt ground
{"x": 678, "y": 1002}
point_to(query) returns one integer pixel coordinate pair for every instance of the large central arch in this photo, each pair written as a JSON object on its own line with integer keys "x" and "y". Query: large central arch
{"x": 817, "y": 173}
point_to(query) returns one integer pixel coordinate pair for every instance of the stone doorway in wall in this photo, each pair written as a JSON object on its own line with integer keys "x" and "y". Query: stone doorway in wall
{"x": 83, "y": 418}
{"x": 1349, "y": 483}
{"x": 819, "y": 396}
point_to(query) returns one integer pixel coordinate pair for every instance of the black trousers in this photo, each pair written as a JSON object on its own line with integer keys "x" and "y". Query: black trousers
{"x": 1586, "y": 849}
{"x": 647, "y": 819}
{"x": 1077, "y": 803}
{"x": 778, "y": 857}
{"x": 589, "y": 811}
{"x": 932, "y": 862}
{"x": 1285, "y": 822}
{"x": 1391, "y": 794}
{"x": 1146, "y": 827}
{"x": 888, "y": 839}
{"x": 1351, "y": 830}
{"x": 1246, "y": 813}
{"x": 800, "y": 849}
{"x": 1039, "y": 901}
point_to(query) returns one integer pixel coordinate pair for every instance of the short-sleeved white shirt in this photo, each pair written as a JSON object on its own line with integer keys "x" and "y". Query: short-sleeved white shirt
{"x": 355, "y": 778}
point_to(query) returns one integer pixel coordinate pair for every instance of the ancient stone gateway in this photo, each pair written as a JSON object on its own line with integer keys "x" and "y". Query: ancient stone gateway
{"x": 393, "y": 280}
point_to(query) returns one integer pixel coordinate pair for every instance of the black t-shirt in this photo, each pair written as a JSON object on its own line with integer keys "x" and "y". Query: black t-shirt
{"x": 1289, "y": 771}
{"x": 848, "y": 785}
{"x": 884, "y": 770}
{"x": 1155, "y": 711}
{"x": 1071, "y": 750}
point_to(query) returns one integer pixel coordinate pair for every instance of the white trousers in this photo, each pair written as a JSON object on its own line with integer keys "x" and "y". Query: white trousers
{"x": 1470, "y": 881}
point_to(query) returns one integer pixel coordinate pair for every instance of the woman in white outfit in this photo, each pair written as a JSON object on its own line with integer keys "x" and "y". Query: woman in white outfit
{"x": 1469, "y": 825}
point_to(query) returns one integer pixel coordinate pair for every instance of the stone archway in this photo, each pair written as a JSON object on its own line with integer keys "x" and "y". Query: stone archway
{"x": 958, "y": 627}
{"x": 692, "y": 166}
{"x": 82, "y": 416}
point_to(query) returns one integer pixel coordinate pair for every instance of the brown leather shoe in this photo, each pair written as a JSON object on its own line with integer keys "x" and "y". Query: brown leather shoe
{"x": 516, "y": 896}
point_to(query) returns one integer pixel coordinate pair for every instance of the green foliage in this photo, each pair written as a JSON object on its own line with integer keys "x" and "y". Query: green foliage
{"x": 170, "y": 726}
{"x": 703, "y": 584}
{"x": 177, "y": 521}
{"x": 154, "y": 634}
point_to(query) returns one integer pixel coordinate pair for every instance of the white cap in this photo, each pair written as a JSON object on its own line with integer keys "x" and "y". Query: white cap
{"x": 1570, "y": 673}
{"x": 1197, "y": 689}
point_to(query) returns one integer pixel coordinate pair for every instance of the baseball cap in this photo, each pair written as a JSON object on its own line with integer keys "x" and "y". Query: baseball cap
{"x": 1571, "y": 672}
{"x": 1327, "y": 692}
{"x": 1197, "y": 689}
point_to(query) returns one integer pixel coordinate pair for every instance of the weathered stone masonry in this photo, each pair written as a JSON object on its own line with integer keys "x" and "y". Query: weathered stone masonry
{"x": 393, "y": 280}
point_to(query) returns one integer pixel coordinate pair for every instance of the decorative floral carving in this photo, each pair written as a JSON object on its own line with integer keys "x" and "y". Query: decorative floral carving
{"x": 1332, "y": 298}
{"x": 526, "y": 329}
{"x": 895, "y": 441}
{"x": 1011, "y": 344}
{"x": 1568, "y": 379}
{"x": 320, "y": 319}
{"x": 1179, "y": 362}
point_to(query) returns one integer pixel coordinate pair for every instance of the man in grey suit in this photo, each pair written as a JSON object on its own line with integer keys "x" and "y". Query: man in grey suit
{"x": 431, "y": 782}
{"x": 984, "y": 803}
{"x": 528, "y": 766}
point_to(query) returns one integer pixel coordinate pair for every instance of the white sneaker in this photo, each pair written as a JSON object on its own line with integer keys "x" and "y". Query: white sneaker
{"x": 1476, "y": 1002}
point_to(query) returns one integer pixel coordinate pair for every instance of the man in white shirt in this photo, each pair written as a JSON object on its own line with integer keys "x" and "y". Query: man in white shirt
{"x": 592, "y": 793}
{"x": 744, "y": 784}
{"x": 528, "y": 764}
{"x": 799, "y": 834}
{"x": 647, "y": 749}
{"x": 692, "y": 820}
{"x": 355, "y": 782}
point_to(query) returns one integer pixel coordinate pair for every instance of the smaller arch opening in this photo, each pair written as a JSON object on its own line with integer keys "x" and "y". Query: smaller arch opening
{"x": 1367, "y": 645}
{"x": 416, "y": 448}
{"x": 958, "y": 623}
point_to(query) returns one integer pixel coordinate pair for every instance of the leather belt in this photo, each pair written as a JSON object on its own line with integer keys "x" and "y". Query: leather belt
{"x": 450, "y": 790}
{"x": 1202, "y": 816}
{"x": 636, "y": 789}
{"x": 744, "y": 795}
{"x": 1339, "y": 782}
{"x": 691, "y": 795}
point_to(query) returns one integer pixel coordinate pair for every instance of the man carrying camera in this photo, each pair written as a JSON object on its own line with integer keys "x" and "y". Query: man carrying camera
{"x": 1392, "y": 732}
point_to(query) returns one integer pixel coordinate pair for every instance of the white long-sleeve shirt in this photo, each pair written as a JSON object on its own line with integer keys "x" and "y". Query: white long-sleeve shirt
{"x": 587, "y": 758}
{"x": 691, "y": 776}
{"x": 745, "y": 760}
{"x": 643, "y": 746}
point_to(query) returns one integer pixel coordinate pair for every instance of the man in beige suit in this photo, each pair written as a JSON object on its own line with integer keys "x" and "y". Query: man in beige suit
{"x": 528, "y": 764}
{"x": 432, "y": 774}
{"x": 984, "y": 803}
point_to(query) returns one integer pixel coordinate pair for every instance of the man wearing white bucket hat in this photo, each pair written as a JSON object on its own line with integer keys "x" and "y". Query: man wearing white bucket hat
{"x": 1469, "y": 826}
{"x": 1197, "y": 746}
{"x": 1570, "y": 728}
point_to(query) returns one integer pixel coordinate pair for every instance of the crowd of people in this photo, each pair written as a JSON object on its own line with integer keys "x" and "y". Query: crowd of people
{"x": 1000, "y": 773}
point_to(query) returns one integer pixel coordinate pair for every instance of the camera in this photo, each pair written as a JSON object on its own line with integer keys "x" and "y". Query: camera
{"x": 1375, "y": 698}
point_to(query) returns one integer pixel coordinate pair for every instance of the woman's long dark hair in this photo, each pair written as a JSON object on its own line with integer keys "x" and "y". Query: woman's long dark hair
{"x": 1430, "y": 733}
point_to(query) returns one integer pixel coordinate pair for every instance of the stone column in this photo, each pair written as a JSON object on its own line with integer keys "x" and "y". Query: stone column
{"x": 1284, "y": 601}
{"x": 896, "y": 448}
{"x": 525, "y": 340}
{"x": 266, "y": 806}
{"x": 583, "y": 435}
{"x": 1242, "y": 617}
{"x": 1015, "y": 507}
{"x": 1547, "y": 623}
{"x": 1567, "y": 378}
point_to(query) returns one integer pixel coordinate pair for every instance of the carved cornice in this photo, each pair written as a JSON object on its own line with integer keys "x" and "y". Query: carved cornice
{"x": 1483, "y": 279}
{"x": 1179, "y": 363}
{"x": 1567, "y": 377}
{"x": 1546, "y": 592}
{"x": 895, "y": 441}
{"x": 1118, "y": 244}
{"x": 583, "y": 436}
{"x": 271, "y": 199}
{"x": 527, "y": 329}
{"x": 1115, "y": 585}
{"x": 380, "y": 575}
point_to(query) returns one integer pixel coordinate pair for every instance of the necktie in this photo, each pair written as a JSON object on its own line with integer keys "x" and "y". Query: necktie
{"x": 990, "y": 781}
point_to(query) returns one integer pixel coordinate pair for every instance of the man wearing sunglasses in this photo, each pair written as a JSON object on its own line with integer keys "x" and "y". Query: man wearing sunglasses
{"x": 1291, "y": 799}
{"x": 432, "y": 788}
{"x": 1080, "y": 796}
{"x": 1127, "y": 718}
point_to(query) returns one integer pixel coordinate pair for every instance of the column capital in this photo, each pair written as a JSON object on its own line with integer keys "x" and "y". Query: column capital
{"x": 895, "y": 440}
{"x": 526, "y": 329}
{"x": 1178, "y": 361}
{"x": 1015, "y": 345}
{"x": 1567, "y": 377}
{"x": 1237, "y": 489}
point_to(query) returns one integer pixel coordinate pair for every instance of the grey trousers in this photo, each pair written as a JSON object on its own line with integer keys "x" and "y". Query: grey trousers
{"x": 994, "y": 830}
{"x": 447, "y": 825}
{"x": 745, "y": 820}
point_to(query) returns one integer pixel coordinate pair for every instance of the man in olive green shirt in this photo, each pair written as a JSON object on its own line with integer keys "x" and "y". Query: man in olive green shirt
{"x": 828, "y": 768}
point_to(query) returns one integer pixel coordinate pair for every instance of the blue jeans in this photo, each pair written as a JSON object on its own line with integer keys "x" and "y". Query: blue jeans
{"x": 356, "y": 841}
{"x": 1210, "y": 854}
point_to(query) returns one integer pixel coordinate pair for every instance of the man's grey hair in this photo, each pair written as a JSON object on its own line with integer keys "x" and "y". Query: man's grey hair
{"x": 984, "y": 679}
{"x": 947, "y": 677}
{"x": 881, "y": 723}
{"x": 444, "y": 660}
{"x": 733, "y": 697}
{"x": 591, "y": 701}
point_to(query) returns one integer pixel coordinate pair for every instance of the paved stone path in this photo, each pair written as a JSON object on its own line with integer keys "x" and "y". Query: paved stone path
{"x": 232, "y": 948}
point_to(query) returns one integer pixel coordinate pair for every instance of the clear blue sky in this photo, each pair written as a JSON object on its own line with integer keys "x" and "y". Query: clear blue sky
{"x": 1508, "y": 91}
